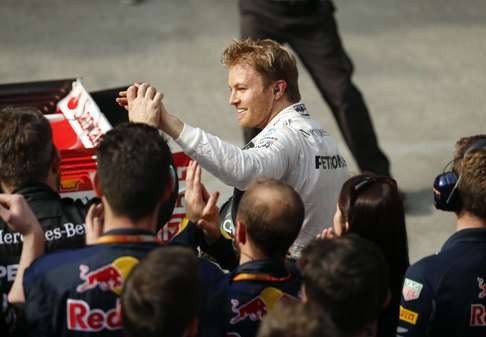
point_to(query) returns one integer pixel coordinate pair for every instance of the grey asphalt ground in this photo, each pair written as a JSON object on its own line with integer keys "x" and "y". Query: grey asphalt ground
{"x": 419, "y": 63}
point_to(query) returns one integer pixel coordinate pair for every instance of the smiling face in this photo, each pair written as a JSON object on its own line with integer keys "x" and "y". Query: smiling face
{"x": 253, "y": 101}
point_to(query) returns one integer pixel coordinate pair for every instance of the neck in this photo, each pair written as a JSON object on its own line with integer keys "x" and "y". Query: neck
{"x": 248, "y": 253}
{"x": 467, "y": 220}
{"x": 115, "y": 221}
{"x": 277, "y": 107}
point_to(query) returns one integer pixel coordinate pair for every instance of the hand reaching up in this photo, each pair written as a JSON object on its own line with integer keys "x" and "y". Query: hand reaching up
{"x": 19, "y": 217}
{"x": 144, "y": 105}
{"x": 201, "y": 206}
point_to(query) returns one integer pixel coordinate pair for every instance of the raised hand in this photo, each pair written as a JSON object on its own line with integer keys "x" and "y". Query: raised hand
{"x": 19, "y": 217}
{"x": 327, "y": 233}
{"x": 201, "y": 206}
{"x": 94, "y": 223}
{"x": 17, "y": 214}
{"x": 144, "y": 105}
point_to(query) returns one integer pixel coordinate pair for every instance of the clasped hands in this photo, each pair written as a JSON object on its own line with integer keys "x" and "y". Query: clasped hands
{"x": 143, "y": 103}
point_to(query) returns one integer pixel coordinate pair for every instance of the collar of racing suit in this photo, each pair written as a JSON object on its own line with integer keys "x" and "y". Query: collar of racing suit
{"x": 128, "y": 231}
{"x": 127, "y": 236}
{"x": 465, "y": 235}
{"x": 272, "y": 268}
{"x": 296, "y": 108}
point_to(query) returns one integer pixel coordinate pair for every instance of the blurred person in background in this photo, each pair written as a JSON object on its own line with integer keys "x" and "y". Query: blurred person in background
{"x": 29, "y": 164}
{"x": 347, "y": 278}
{"x": 161, "y": 296}
{"x": 295, "y": 319}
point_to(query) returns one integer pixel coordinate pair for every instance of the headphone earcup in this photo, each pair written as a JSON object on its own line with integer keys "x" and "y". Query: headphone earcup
{"x": 167, "y": 208}
{"x": 446, "y": 195}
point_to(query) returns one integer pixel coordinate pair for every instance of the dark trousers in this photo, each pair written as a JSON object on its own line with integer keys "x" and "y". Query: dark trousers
{"x": 310, "y": 29}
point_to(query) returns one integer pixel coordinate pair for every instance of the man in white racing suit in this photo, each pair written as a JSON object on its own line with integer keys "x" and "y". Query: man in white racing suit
{"x": 292, "y": 147}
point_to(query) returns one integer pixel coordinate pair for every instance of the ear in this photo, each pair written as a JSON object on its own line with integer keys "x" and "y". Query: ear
{"x": 95, "y": 180}
{"x": 280, "y": 87}
{"x": 240, "y": 235}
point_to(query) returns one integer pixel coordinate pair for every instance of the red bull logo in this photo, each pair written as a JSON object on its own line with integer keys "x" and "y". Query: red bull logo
{"x": 482, "y": 287}
{"x": 254, "y": 309}
{"x": 108, "y": 277}
{"x": 81, "y": 317}
{"x": 478, "y": 311}
{"x": 257, "y": 307}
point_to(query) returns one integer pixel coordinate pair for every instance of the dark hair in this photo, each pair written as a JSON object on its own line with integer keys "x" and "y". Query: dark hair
{"x": 346, "y": 277}
{"x": 26, "y": 148}
{"x": 161, "y": 295}
{"x": 133, "y": 169}
{"x": 270, "y": 59}
{"x": 273, "y": 214}
{"x": 471, "y": 168}
{"x": 295, "y": 319}
{"x": 373, "y": 208}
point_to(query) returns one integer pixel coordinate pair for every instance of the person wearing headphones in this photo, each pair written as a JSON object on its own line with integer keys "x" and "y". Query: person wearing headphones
{"x": 292, "y": 147}
{"x": 445, "y": 294}
{"x": 76, "y": 292}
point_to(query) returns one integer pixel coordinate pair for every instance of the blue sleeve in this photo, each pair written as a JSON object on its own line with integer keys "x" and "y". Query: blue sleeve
{"x": 38, "y": 302}
{"x": 417, "y": 302}
{"x": 8, "y": 316}
{"x": 188, "y": 235}
{"x": 213, "y": 298}
{"x": 221, "y": 251}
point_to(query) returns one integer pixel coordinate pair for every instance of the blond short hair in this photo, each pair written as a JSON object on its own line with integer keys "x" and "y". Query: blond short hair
{"x": 270, "y": 59}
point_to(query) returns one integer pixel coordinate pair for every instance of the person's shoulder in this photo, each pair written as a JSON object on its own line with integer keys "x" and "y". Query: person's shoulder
{"x": 59, "y": 259}
{"x": 429, "y": 268}
{"x": 306, "y": 129}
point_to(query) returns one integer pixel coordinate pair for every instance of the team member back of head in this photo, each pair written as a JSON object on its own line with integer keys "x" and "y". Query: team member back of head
{"x": 29, "y": 165}
{"x": 295, "y": 319}
{"x": 74, "y": 292}
{"x": 347, "y": 278}
{"x": 161, "y": 297}
{"x": 268, "y": 221}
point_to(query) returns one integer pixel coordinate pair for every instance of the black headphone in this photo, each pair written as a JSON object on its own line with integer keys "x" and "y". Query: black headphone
{"x": 166, "y": 209}
{"x": 276, "y": 90}
{"x": 445, "y": 184}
